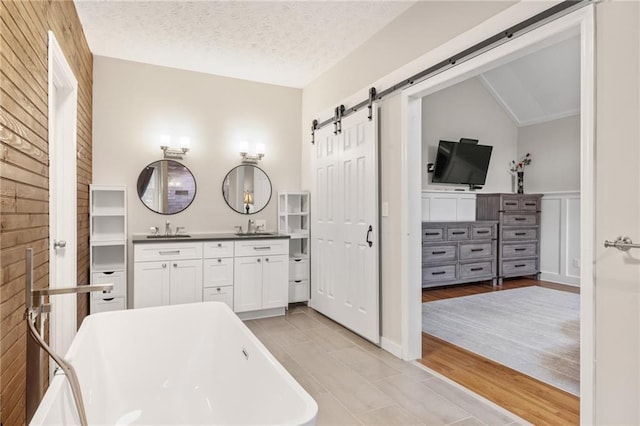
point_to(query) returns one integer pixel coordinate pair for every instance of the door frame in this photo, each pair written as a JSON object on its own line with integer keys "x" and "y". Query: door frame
{"x": 578, "y": 22}
{"x": 63, "y": 112}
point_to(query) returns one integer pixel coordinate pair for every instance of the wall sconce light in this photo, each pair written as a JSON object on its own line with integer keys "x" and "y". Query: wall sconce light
{"x": 247, "y": 199}
{"x": 251, "y": 158}
{"x": 172, "y": 151}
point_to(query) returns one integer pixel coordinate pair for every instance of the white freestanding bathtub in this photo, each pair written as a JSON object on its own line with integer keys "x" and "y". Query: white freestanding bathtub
{"x": 183, "y": 364}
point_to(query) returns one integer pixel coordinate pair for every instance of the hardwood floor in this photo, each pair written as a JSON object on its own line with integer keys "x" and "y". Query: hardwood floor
{"x": 531, "y": 399}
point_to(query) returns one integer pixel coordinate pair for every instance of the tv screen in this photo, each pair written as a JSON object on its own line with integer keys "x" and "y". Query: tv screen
{"x": 461, "y": 163}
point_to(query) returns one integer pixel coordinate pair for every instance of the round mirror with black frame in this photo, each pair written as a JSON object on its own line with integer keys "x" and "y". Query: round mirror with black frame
{"x": 246, "y": 189}
{"x": 166, "y": 187}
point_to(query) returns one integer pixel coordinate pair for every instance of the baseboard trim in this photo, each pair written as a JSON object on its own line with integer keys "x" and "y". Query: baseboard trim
{"x": 390, "y": 346}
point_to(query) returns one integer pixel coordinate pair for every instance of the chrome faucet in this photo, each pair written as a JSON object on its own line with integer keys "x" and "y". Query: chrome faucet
{"x": 238, "y": 229}
{"x": 34, "y": 311}
{"x": 249, "y": 225}
{"x": 179, "y": 229}
{"x": 167, "y": 228}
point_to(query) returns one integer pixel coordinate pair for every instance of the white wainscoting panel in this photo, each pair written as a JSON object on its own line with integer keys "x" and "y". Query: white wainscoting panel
{"x": 560, "y": 238}
{"x": 448, "y": 206}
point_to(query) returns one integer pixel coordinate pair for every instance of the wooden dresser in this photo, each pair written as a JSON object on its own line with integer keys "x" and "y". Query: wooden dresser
{"x": 518, "y": 217}
{"x": 458, "y": 252}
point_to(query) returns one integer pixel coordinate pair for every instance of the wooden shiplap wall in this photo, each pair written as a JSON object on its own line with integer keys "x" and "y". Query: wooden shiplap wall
{"x": 24, "y": 182}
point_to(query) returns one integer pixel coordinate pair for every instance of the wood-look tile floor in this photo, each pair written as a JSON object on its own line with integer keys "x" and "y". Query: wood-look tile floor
{"x": 534, "y": 401}
{"x": 356, "y": 382}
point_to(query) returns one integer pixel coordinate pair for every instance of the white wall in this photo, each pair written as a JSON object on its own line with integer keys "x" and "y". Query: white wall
{"x": 134, "y": 103}
{"x": 555, "y": 152}
{"x": 468, "y": 110}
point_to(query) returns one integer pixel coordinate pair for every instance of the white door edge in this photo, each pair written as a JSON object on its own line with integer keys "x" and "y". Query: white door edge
{"x": 63, "y": 106}
{"x": 580, "y": 22}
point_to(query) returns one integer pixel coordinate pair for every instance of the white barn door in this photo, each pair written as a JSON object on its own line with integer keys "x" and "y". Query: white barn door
{"x": 344, "y": 231}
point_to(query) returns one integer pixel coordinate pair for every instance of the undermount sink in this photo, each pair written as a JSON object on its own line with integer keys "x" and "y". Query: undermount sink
{"x": 257, "y": 234}
{"x": 162, "y": 237}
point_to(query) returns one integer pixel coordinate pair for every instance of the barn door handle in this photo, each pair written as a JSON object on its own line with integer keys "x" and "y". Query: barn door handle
{"x": 369, "y": 231}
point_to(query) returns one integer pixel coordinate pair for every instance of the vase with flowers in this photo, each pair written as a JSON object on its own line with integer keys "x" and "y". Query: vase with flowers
{"x": 517, "y": 170}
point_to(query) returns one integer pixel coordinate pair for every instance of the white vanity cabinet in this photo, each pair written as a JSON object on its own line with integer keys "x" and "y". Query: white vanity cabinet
{"x": 261, "y": 275}
{"x": 218, "y": 272}
{"x": 167, "y": 274}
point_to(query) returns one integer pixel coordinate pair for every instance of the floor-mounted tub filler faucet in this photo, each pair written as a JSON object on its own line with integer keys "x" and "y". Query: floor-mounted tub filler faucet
{"x": 35, "y": 310}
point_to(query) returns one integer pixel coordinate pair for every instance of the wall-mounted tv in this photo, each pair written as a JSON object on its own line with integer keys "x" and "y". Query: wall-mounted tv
{"x": 462, "y": 163}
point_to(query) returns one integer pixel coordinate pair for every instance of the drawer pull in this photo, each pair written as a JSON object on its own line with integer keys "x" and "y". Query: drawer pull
{"x": 511, "y": 203}
{"x": 438, "y": 252}
{"x": 218, "y": 289}
{"x": 431, "y": 233}
{"x": 164, "y": 252}
{"x": 529, "y": 204}
{"x": 297, "y": 260}
{"x": 521, "y": 233}
{"x": 219, "y": 260}
{"x": 520, "y": 249}
{"x": 439, "y": 273}
{"x": 476, "y": 269}
{"x": 297, "y": 281}
{"x": 262, "y": 248}
{"x": 482, "y": 232}
{"x": 108, "y": 273}
{"x": 108, "y": 300}
{"x": 477, "y": 249}
{"x": 520, "y": 265}
{"x": 520, "y": 219}
{"x": 458, "y": 232}
{"x": 219, "y": 244}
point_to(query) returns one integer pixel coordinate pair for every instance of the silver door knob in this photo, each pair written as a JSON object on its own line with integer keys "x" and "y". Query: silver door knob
{"x": 59, "y": 244}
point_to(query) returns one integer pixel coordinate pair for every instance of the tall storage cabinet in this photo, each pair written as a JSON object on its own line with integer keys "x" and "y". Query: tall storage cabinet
{"x": 108, "y": 242}
{"x": 293, "y": 220}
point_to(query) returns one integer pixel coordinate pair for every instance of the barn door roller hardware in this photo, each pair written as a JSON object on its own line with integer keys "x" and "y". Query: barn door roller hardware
{"x": 314, "y": 126}
{"x": 337, "y": 119}
{"x": 514, "y": 31}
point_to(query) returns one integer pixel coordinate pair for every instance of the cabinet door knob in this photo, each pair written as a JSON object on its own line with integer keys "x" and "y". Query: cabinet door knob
{"x": 258, "y": 260}
{"x": 218, "y": 289}
{"x": 164, "y": 265}
{"x": 219, "y": 244}
{"x": 175, "y": 265}
{"x": 219, "y": 260}
{"x": 267, "y": 259}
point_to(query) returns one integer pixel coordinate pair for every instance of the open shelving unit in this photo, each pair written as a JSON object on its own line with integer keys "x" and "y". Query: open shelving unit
{"x": 108, "y": 241}
{"x": 294, "y": 220}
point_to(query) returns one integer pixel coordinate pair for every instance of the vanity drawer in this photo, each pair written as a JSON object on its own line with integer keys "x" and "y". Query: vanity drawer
{"x": 519, "y": 234}
{"x": 520, "y": 250}
{"x": 299, "y": 269}
{"x": 440, "y": 273}
{"x": 433, "y": 234}
{"x": 520, "y": 219}
{"x": 475, "y": 250}
{"x": 217, "y": 272}
{"x": 218, "y": 294}
{"x": 520, "y": 267}
{"x": 438, "y": 253}
{"x": 477, "y": 270}
{"x": 214, "y": 249}
{"x": 298, "y": 291}
{"x": 455, "y": 233}
{"x": 261, "y": 247}
{"x": 117, "y": 278}
{"x": 167, "y": 251}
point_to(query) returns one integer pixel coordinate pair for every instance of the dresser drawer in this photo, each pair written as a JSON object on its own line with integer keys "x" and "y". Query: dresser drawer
{"x": 519, "y": 267}
{"x": 530, "y": 204}
{"x": 519, "y": 250}
{"x": 456, "y": 233}
{"x": 475, "y": 250}
{"x": 438, "y": 253}
{"x": 520, "y": 219}
{"x": 510, "y": 204}
{"x": 433, "y": 234}
{"x": 261, "y": 247}
{"x": 167, "y": 251}
{"x": 519, "y": 234}
{"x": 477, "y": 270}
{"x": 216, "y": 249}
{"x": 482, "y": 231}
{"x": 431, "y": 274}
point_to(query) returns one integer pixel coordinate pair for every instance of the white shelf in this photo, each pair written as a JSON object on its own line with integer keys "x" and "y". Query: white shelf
{"x": 108, "y": 236}
{"x": 294, "y": 220}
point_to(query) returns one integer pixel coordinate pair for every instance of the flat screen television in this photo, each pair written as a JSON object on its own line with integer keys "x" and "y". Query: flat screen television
{"x": 461, "y": 163}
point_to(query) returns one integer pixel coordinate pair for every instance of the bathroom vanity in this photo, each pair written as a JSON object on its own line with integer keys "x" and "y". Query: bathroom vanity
{"x": 250, "y": 273}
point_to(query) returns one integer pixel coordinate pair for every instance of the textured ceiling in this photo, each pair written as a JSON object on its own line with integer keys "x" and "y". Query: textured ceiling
{"x": 287, "y": 43}
{"x": 539, "y": 87}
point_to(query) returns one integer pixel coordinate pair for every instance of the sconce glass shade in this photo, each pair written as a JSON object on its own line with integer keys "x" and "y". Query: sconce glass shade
{"x": 248, "y": 198}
